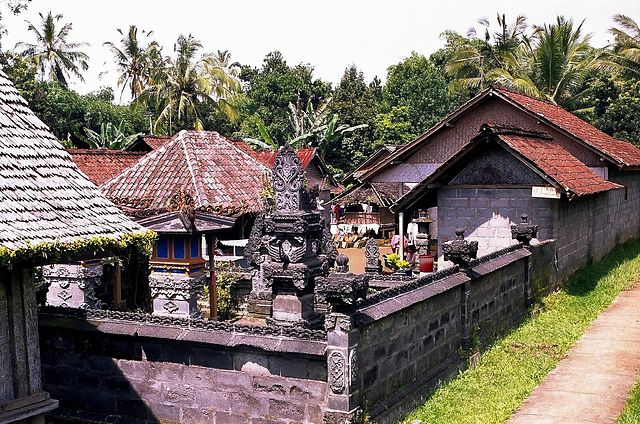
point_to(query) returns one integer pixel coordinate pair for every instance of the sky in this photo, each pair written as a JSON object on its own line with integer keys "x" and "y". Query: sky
{"x": 330, "y": 35}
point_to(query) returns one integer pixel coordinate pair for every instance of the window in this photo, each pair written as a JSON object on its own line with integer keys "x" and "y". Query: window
{"x": 178, "y": 248}
{"x": 163, "y": 247}
{"x": 195, "y": 246}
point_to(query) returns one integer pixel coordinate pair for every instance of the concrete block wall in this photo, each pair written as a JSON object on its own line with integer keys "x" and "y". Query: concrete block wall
{"x": 497, "y": 300}
{"x": 401, "y": 347}
{"x": 590, "y": 227}
{"x": 544, "y": 269}
{"x": 158, "y": 378}
{"x": 487, "y": 214}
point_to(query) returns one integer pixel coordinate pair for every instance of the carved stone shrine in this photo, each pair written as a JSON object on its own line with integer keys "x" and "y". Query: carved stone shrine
{"x": 288, "y": 248}
{"x": 524, "y": 231}
{"x": 73, "y": 285}
{"x": 373, "y": 265}
{"x": 423, "y": 239}
{"x": 460, "y": 251}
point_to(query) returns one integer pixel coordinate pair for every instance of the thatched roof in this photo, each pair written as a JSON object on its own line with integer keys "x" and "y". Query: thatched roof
{"x": 44, "y": 198}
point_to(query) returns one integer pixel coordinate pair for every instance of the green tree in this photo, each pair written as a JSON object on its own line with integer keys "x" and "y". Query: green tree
{"x": 416, "y": 84}
{"x": 626, "y": 47}
{"x": 268, "y": 92}
{"x": 621, "y": 117}
{"x": 355, "y": 102}
{"x": 179, "y": 87}
{"x": 553, "y": 64}
{"x": 55, "y": 58}
{"x": 110, "y": 137}
{"x": 133, "y": 60}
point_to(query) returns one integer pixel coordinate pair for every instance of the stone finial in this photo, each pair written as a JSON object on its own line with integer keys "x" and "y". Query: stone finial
{"x": 288, "y": 180}
{"x": 342, "y": 264}
{"x": 460, "y": 251}
{"x": 524, "y": 231}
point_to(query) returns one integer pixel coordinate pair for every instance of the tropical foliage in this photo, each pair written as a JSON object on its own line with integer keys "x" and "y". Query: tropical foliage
{"x": 278, "y": 102}
{"x": 55, "y": 57}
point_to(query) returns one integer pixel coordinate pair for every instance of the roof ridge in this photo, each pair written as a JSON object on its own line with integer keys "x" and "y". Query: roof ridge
{"x": 512, "y": 130}
{"x": 197, "y": 183}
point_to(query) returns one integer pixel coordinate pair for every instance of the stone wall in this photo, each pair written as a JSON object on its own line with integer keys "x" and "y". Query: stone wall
{"x": 176, "y": 374}
{"x": 377, "y": 359}
{"x": 410, "y": 341}
{"x": 588, "y": 228}
{"x": 487, "y": 214}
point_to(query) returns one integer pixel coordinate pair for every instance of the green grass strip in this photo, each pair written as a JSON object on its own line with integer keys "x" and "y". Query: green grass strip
{"x": 513, "y": 365}
{"x": 631, "y": 413}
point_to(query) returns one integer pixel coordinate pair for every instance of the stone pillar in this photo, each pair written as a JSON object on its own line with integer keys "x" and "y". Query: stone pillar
{"x": 524, "y": 232}
{"x": 73, "y": 285}
{"x": 341, "y": 290}
{"x": 461, "y": 252}
{"x": 373, "y": 265}
{"x": 343, "y": 397}
{"x": 175, "y": 294}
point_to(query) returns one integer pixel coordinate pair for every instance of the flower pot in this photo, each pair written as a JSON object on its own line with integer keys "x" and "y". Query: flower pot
{"x": 426, "y": 263}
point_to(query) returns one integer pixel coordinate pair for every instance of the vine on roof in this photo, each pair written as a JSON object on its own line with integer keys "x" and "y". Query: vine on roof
{"x": 57, "y": 252}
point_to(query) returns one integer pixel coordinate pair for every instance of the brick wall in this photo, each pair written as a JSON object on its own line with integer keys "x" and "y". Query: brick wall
{"x": 399, "y": 348}
{"x": 111, "y": 368}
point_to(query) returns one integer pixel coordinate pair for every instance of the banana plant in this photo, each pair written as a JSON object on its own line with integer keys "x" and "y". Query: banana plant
{"x": 110, "y": 137}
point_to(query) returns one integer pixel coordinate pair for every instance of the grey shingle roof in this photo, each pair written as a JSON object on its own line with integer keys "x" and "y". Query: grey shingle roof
{"x": 43, "y": 195}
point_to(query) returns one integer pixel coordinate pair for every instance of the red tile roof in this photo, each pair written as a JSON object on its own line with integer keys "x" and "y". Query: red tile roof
{"x": 552, "y": 159}
{"x": 155, "y": 141}
{"x": 220, "y": 177}
{"x": 269, "y": 157}
{"x": 102, "y": 164}
{"x": 622, "y": 152}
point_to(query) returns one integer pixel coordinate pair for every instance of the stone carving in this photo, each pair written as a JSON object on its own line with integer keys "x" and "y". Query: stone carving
{"x": 288, "y": 248}
{"x": 183, "y": 202}
{"x": 524, "y": 231}
{"x": 170, "y": 307}
{"x": 73, "y": 285}
{"x": 353, "y": 368}
{"x": 372, "y": 257}
{"x": 64, "y": 295}
{"x": 460, "y": 251}
{"x": 176, "y": 293}
{"x": 336, "y": 372}
{"x": 287, "y": 179}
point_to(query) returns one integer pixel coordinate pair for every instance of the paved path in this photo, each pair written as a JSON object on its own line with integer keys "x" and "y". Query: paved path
{"x": 592, "y": 383}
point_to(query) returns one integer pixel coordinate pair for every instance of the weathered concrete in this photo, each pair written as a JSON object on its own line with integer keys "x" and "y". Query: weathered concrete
{"x": 592, "y": 383}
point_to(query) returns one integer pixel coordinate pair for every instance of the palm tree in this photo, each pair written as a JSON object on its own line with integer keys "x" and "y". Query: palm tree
{"x": 178, "y": 86}
{"x": 552, "y": 63}
{"x": 54, "y": 57}
{"x": 473, "y": 63}
{"x": 626, "y": 48}
{"x": 133, "y": 60}
{"x": 222, "y": 80}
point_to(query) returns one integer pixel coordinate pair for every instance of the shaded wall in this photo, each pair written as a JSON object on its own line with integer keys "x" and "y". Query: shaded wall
{"x": 171, "y": 372}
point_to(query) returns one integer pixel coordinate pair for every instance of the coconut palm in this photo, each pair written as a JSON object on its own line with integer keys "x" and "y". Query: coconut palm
{"x": 472, "y": 64}
{"x": 179, "y": 86}
{"x": 133, "y": 60}
{"x": 54, "y": 57}
{"x": 222, "y": 80}
{"x": 552, "y": 63}
{"x": 177, "y": 89}
{"x": 626, "y": 48}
